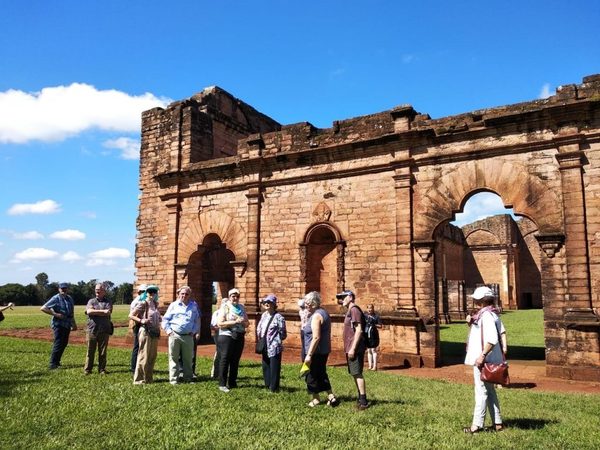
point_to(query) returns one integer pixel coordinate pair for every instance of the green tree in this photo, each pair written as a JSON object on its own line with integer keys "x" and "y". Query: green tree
{"x": 41, "y": 282}
{"x": 18, "y": 294}
{"x": 123, "y": 294}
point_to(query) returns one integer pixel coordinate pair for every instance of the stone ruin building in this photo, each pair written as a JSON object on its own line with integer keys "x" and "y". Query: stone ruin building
{"x": 230, "y": 197}
{"x": 496, "y": 251}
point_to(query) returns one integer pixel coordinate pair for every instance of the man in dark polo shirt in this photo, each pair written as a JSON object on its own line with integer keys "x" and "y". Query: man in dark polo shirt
{"x": 99, "y": 329}
{"x": 354, "y": 344}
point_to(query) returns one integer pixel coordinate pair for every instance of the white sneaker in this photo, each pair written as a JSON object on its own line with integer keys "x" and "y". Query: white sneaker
{"x": 224, "y": 389}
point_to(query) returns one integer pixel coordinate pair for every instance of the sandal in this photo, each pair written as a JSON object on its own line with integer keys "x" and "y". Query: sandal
{"x": 314, "y": 402}
{"x": 498, "y": 427}
{"x": 469, "y": 430}
{"x": 332, "y": 401}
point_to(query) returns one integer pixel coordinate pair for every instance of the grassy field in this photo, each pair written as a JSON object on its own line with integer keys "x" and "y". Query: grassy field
{"x": 44, "y": 409}
{"x": 31, "y": 316}
{"x": 525, "y": 331}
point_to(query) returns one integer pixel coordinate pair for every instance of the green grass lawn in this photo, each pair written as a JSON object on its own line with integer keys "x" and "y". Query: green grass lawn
{"x": 525, "y": 331}
{"x": 65, "y": 409}
{"x": 31, "y": 316}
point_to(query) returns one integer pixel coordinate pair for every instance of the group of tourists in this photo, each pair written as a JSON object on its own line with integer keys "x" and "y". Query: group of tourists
{"x": 181, "y": 323}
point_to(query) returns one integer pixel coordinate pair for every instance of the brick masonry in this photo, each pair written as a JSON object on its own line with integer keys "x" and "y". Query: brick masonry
{"x": 230, "y": 196}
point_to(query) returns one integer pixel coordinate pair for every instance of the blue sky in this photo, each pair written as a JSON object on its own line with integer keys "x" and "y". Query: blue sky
{"x": 76, "y": 75}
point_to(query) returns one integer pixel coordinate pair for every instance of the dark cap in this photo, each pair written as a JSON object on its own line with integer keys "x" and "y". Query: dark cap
{"x": 344, "y": 294}
{"x": 63, "y": 285}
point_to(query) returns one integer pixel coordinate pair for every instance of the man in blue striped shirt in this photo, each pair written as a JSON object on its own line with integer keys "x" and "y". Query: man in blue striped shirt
{"x": 181, "y": 322}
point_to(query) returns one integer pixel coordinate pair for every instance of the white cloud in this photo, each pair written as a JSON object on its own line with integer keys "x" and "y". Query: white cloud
{"x": 29, "y": 235}
{"x": 95, "y": 262}
{"x": 107, "y": 256}
{"x": 130, "y": 148}
{"x": 68, "y": 235}
{"x": 35, "y": 254}
{"x": 480, "y": 206}
{"x": 545, "y": 92}
{"x": 110, "y": 253}
{"x": 71, "y": 256}
{"x": 41, "y": 207}
{"x": 89, "y": 214}
{"x": 407, "y": 59}
{"x": 56, "y": 113}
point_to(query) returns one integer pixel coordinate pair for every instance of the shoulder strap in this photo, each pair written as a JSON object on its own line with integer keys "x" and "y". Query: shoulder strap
{"x": 268, "y": 324}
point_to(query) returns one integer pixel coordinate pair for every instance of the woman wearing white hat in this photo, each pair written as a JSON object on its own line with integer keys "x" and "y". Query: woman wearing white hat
{"x": 232, "y": 322}
{"x": 484, "y": 345}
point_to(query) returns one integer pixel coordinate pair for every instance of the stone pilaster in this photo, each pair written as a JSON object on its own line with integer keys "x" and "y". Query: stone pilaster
{"x": 170, "y": 251}
{"x": 251, "y": 290}
{"x": 576, "y": 245}
{"x": 404, "y": 253}
{"x": 426, "y": 301}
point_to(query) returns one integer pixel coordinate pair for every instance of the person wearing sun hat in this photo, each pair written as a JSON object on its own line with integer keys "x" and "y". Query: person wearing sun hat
{"x": 272, "y": 328}
{"x": 232, "y": 321}
{"x": 62, "y": 309}
{"x": 484, "y": 345}
{"x": 135, "y": 328}
{"x": 147, "y": 318}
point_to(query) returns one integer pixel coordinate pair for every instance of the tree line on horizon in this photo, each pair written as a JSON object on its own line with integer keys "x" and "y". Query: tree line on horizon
{"x": 39, "y": 292}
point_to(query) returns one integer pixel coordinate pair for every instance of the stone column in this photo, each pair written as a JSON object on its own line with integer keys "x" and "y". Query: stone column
{"x": 576, "y": 244}
{"x": 251, "y": 293}
{"x": 426, "y": 302}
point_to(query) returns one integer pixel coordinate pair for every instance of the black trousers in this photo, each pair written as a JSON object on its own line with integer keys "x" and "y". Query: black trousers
{"x": 317, "y": 379}
{"x": 230, "y": 352}
{"x": 136, "y": 346}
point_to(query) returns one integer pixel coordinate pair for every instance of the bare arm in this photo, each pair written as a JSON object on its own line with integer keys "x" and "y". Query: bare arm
{"x": 315, "y": 326}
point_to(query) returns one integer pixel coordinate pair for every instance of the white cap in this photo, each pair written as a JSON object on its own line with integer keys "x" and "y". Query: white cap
{"x": 142, "y": 288}
{"x": 233, "y": 291}
{"x": 482, "y": 292}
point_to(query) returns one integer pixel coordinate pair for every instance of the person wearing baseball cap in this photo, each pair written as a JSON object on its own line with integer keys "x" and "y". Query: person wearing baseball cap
{"x": 354, "y": 344}
{"x": 62, "y": 309}
{"x": 484, "y": 345}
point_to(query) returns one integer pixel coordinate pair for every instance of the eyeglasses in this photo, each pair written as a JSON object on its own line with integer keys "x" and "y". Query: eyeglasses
{"x": 151, "y": 292}
{"x": 234, "y": 295}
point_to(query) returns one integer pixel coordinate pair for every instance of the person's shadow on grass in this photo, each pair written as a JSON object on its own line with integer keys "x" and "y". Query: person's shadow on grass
{"x": 527, "y": 424}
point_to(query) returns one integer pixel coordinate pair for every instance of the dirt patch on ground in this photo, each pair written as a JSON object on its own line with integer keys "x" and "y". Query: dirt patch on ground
{"x": 529, "y": 375}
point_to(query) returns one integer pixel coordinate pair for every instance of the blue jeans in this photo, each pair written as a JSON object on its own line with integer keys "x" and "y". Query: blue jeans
{"x": 61, "y": 339}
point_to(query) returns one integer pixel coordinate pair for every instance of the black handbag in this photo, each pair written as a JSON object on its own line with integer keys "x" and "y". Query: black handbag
{"x": 261, "y": 343}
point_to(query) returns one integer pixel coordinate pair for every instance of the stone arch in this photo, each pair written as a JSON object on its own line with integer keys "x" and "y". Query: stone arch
{"x": 322, "y": 260}
{"x": 482, "y": 236}
{"x": 211, "y": 222}
{"x": 526, "y": 194}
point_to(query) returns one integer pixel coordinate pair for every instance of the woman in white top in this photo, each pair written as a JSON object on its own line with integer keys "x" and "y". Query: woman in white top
{"x": 485, "y": 318}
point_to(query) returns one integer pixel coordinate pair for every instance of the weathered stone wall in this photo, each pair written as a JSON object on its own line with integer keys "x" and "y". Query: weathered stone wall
{"x": 358, "y": 205}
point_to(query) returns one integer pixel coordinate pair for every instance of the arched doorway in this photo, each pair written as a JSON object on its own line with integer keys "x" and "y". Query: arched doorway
{"x": 487, "y": 244}
{"x": 322, "y": 261}
{"x": 210, "y": 275}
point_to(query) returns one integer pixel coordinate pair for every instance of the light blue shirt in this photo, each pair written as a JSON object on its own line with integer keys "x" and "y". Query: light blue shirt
{"x": 182, "y": 319}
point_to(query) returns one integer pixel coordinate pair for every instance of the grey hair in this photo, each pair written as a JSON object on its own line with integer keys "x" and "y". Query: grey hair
{"x": 312, "y": 298}
{"x": 184, "y": 288}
